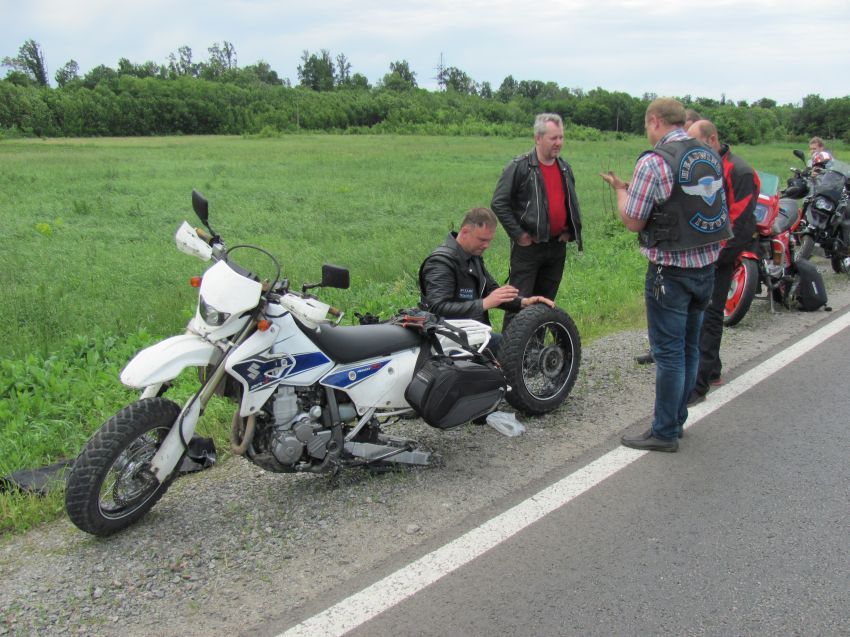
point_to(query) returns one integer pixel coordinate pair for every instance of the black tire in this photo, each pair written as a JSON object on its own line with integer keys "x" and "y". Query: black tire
{"x": 837, "y": 264}
{"x": 806, "y": 249}
{"x": 540, "y": 355}
{"x": 106, "y": 489}
{"x": 742, "y": 291}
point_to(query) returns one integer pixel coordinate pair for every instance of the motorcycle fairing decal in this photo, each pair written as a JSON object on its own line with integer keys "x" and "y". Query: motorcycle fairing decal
{"x": 348, "y": 377}
{"x": 259, "y": 372}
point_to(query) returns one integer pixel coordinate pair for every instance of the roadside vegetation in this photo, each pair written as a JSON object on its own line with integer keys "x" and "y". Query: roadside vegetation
{"x": 90, "y": 273}
{"x": 214, "y": 96}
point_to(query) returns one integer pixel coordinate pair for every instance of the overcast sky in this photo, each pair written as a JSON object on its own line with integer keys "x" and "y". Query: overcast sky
{"x": 745, "y": 49}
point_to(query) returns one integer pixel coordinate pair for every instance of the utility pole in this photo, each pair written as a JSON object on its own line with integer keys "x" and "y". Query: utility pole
{"x": 441, "y": 73}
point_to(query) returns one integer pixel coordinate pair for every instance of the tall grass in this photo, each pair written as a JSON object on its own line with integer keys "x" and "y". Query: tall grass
{"x": 89, "y": 272}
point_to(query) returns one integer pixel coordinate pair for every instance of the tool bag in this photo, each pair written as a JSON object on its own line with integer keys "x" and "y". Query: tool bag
{"x": 809, "y": 289}
{"x": 447, "y": 391}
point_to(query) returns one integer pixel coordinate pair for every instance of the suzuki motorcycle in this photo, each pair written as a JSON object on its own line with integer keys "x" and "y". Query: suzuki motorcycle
{"x": 825, "y": 212}
{"x": 769, "y": 264}
{"x": 311, "y": 395}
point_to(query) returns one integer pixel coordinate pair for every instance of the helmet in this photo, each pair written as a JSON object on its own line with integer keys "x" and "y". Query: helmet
{"x": 821, "y": 158}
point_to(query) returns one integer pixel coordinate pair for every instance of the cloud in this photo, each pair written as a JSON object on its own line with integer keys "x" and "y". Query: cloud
{"x": 746, "y": 49}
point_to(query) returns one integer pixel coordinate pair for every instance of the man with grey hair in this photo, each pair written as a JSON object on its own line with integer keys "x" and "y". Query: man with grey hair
{"x": 535, "y": 200}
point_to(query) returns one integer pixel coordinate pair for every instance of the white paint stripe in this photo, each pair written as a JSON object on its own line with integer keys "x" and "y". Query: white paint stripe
{"x": 354, "y": 611}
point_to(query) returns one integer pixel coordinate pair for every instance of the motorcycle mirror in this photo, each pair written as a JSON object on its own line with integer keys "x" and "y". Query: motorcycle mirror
{"x": 334, "y": 276}
{"x": 799, "y": 154}
{"x": 200, "y": 206}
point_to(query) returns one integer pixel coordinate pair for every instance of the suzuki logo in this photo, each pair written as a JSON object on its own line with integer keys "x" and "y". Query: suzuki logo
{"x": 253, "y": 371}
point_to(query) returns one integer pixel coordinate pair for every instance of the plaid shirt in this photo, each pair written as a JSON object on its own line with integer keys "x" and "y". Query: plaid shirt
{"x": 652, "y": 184}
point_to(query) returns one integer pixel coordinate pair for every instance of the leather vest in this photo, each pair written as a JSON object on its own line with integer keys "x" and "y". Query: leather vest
{"x": 696, "y": 214}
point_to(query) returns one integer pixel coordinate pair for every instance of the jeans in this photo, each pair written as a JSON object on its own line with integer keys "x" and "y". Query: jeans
{"x": 675, "y": 301}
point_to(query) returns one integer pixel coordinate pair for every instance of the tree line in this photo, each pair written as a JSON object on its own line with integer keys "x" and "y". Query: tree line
{"x": 217, "y": 96}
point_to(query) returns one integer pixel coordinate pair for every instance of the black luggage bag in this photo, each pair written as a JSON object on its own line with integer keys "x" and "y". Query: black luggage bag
{"x": 810, "y": 292}
{"x": 447, "y": 392}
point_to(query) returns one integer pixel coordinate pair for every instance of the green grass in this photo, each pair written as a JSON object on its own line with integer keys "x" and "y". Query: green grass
{"x": 90, "y": 274}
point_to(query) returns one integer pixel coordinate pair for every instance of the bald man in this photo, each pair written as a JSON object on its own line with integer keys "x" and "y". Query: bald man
{"x": 742, "y": 185}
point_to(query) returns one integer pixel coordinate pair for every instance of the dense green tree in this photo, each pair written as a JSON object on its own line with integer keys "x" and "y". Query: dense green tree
{"x": 68, "y": 73}
{"x": 452, "y": 78}
{"x": 507, "y": 89}
{"x": 400, "y": 77}
{"x": 316, "y": 72}
{"x": 99, "y": 74}
{"x": 29, "y": 61}
{"x": 260, "y": 72}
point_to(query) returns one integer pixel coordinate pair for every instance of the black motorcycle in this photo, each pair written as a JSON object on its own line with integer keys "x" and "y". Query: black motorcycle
{"x": 826, "y": 218}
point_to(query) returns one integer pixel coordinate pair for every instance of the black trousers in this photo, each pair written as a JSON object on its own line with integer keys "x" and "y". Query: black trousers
{"x": 711, "y": 334}
{"x": 536, "y": 270}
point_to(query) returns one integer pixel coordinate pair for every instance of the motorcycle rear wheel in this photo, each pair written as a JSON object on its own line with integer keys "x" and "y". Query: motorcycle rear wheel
{"x": 540, "y": 354}
{"x": 742, "y": 291}
{"x": 109, "y": 488}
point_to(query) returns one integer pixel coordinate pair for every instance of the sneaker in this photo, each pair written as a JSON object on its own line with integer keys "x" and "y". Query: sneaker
{"x": 717, "y": 382}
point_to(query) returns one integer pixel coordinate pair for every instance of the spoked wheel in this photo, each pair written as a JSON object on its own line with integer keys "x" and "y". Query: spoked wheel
{"x": 742, "y": 290}
{"x": 110, "y": 486}
{"x": 540, "y": 355}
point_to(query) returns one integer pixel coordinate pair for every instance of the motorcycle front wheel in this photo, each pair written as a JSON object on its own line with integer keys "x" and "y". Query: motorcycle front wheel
{"x": 109, "y": 486}
{"x": 838, "y": 264}
{"x": 806, "y": 249}
{"x": 742, "y": 291}
{"x": 540, "y": 354}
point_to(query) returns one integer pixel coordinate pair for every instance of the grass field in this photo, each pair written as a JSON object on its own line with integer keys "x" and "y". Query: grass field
{"x": 90, "y": 274}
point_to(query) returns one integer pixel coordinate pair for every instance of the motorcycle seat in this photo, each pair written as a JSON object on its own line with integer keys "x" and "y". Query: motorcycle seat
{"x": 354, "y": 343}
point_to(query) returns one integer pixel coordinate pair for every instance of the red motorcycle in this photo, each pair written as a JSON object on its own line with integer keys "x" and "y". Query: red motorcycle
{"x": 770, "y": 261}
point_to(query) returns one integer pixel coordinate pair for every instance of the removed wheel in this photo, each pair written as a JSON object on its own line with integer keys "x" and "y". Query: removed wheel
{"x": 742, "y": 291}
{"x": 540, "y": 355}
{"x": 110, "y": 486}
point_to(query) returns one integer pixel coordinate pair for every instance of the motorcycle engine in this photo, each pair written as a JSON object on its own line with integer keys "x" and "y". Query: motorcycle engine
{"x": 294, "y": 431}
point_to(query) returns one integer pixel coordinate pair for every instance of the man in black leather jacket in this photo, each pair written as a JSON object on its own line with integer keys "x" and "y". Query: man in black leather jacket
{"x": 536, "y": 202}
{"x": 454, "y": 283}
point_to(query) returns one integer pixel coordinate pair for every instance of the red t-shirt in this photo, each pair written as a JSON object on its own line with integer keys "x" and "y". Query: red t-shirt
{"x": 557, "y": 199}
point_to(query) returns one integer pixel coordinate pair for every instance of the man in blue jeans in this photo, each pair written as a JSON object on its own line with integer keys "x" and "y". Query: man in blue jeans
{"x": 677, "y": 205}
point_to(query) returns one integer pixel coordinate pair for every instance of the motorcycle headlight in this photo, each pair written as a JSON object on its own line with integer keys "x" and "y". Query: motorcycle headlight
{"x": 211, "y": 315}
{"x": 822, "y": 203}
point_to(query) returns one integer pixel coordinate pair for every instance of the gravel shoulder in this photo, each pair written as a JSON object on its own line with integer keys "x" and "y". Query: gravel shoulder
{"x": 206, "y": 558}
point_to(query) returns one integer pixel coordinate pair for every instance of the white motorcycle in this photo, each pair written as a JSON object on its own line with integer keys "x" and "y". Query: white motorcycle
{"x": 312, "y": 395}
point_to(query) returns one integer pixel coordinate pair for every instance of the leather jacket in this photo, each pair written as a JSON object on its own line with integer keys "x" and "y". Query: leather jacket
{"x": 521, "y": 204}
{"x": 452, "y": 284}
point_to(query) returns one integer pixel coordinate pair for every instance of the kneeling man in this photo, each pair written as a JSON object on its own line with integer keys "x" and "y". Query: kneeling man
{"x": 454, "y": 283}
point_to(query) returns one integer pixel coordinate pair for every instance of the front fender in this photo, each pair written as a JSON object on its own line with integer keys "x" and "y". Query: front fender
{"x": 164, "y": 361}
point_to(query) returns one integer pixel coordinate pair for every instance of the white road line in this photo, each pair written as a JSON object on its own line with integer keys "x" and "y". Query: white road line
{"x": 359, "y": 608}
